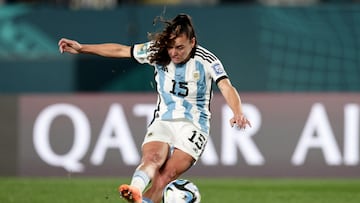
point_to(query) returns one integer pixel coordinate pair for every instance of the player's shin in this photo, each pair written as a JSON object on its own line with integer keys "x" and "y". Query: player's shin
{"x": 140, "y": 180}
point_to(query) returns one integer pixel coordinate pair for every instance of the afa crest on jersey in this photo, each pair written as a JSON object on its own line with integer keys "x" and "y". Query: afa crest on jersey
{"x": 218, "y": 69}
{"x": 196, "y": 75}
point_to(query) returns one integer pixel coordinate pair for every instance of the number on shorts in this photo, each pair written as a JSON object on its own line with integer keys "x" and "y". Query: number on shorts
{"x": 198, "y": 139}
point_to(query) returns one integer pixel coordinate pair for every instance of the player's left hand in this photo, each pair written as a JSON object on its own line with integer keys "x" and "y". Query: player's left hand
{"x": 240, "y": 121}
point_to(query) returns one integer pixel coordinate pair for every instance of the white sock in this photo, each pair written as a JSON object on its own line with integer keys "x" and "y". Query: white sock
{"x": 140, "y": 180}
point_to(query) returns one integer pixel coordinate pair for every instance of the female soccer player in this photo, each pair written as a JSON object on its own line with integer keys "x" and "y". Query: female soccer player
{"x": 184, "y": 73}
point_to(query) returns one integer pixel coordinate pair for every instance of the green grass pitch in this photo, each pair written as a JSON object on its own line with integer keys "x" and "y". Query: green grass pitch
{"x": 216, "y": 190}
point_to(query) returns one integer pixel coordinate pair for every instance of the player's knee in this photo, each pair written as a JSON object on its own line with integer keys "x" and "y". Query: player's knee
{"x": 154, "y": 159}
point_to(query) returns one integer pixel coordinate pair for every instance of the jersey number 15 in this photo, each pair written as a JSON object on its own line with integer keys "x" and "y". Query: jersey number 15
{"x": 180, "y": 88}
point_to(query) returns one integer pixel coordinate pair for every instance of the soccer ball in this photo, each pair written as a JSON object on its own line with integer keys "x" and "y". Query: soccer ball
{"x": 181, "y": 191}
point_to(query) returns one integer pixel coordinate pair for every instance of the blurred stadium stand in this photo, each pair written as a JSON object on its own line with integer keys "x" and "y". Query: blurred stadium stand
{"x": 110, "y": 4}
{"x": 284, "y": 48}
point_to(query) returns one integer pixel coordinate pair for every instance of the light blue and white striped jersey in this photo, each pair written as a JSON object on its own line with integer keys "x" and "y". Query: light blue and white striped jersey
{"x": 184, "y": 90}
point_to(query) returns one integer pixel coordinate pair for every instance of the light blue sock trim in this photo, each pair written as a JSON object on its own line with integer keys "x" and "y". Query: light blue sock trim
{"x": 146, "y": 200}
{"x": 142, "y": 175}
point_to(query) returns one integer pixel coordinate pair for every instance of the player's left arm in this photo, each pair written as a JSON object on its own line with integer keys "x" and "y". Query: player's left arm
{"x": 233, "y": 100}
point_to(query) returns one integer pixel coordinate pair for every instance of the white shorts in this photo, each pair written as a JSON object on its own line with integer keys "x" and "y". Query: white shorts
{"x": 180, "y": 134}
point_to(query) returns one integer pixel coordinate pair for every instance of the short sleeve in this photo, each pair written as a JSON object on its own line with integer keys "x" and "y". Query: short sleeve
{"x": 217, "y": 71}
{"x": 140, "y": 52}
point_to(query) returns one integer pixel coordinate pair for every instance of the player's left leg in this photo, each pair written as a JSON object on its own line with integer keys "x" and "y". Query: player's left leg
{"x": 177, "y": 164}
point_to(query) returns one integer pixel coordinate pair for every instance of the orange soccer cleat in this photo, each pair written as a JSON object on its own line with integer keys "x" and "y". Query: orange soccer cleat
{"x": 130, "y": 193}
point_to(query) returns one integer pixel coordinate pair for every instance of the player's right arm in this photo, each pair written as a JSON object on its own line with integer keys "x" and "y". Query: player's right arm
{"x": 107, "y": 49}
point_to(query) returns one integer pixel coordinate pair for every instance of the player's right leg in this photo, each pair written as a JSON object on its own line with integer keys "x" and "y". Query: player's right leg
{"x": 154, "y": 155}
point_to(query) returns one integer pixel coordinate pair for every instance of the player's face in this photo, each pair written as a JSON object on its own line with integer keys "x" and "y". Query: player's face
{"x": 180, "y": 50}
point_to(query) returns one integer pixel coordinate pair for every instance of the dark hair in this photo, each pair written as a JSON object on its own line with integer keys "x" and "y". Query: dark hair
{"x": 181, "y": 24}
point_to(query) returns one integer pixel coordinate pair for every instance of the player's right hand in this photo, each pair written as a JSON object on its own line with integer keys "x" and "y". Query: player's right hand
{"x": 240, "y": 122}
{"x": 70, "y": 46}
